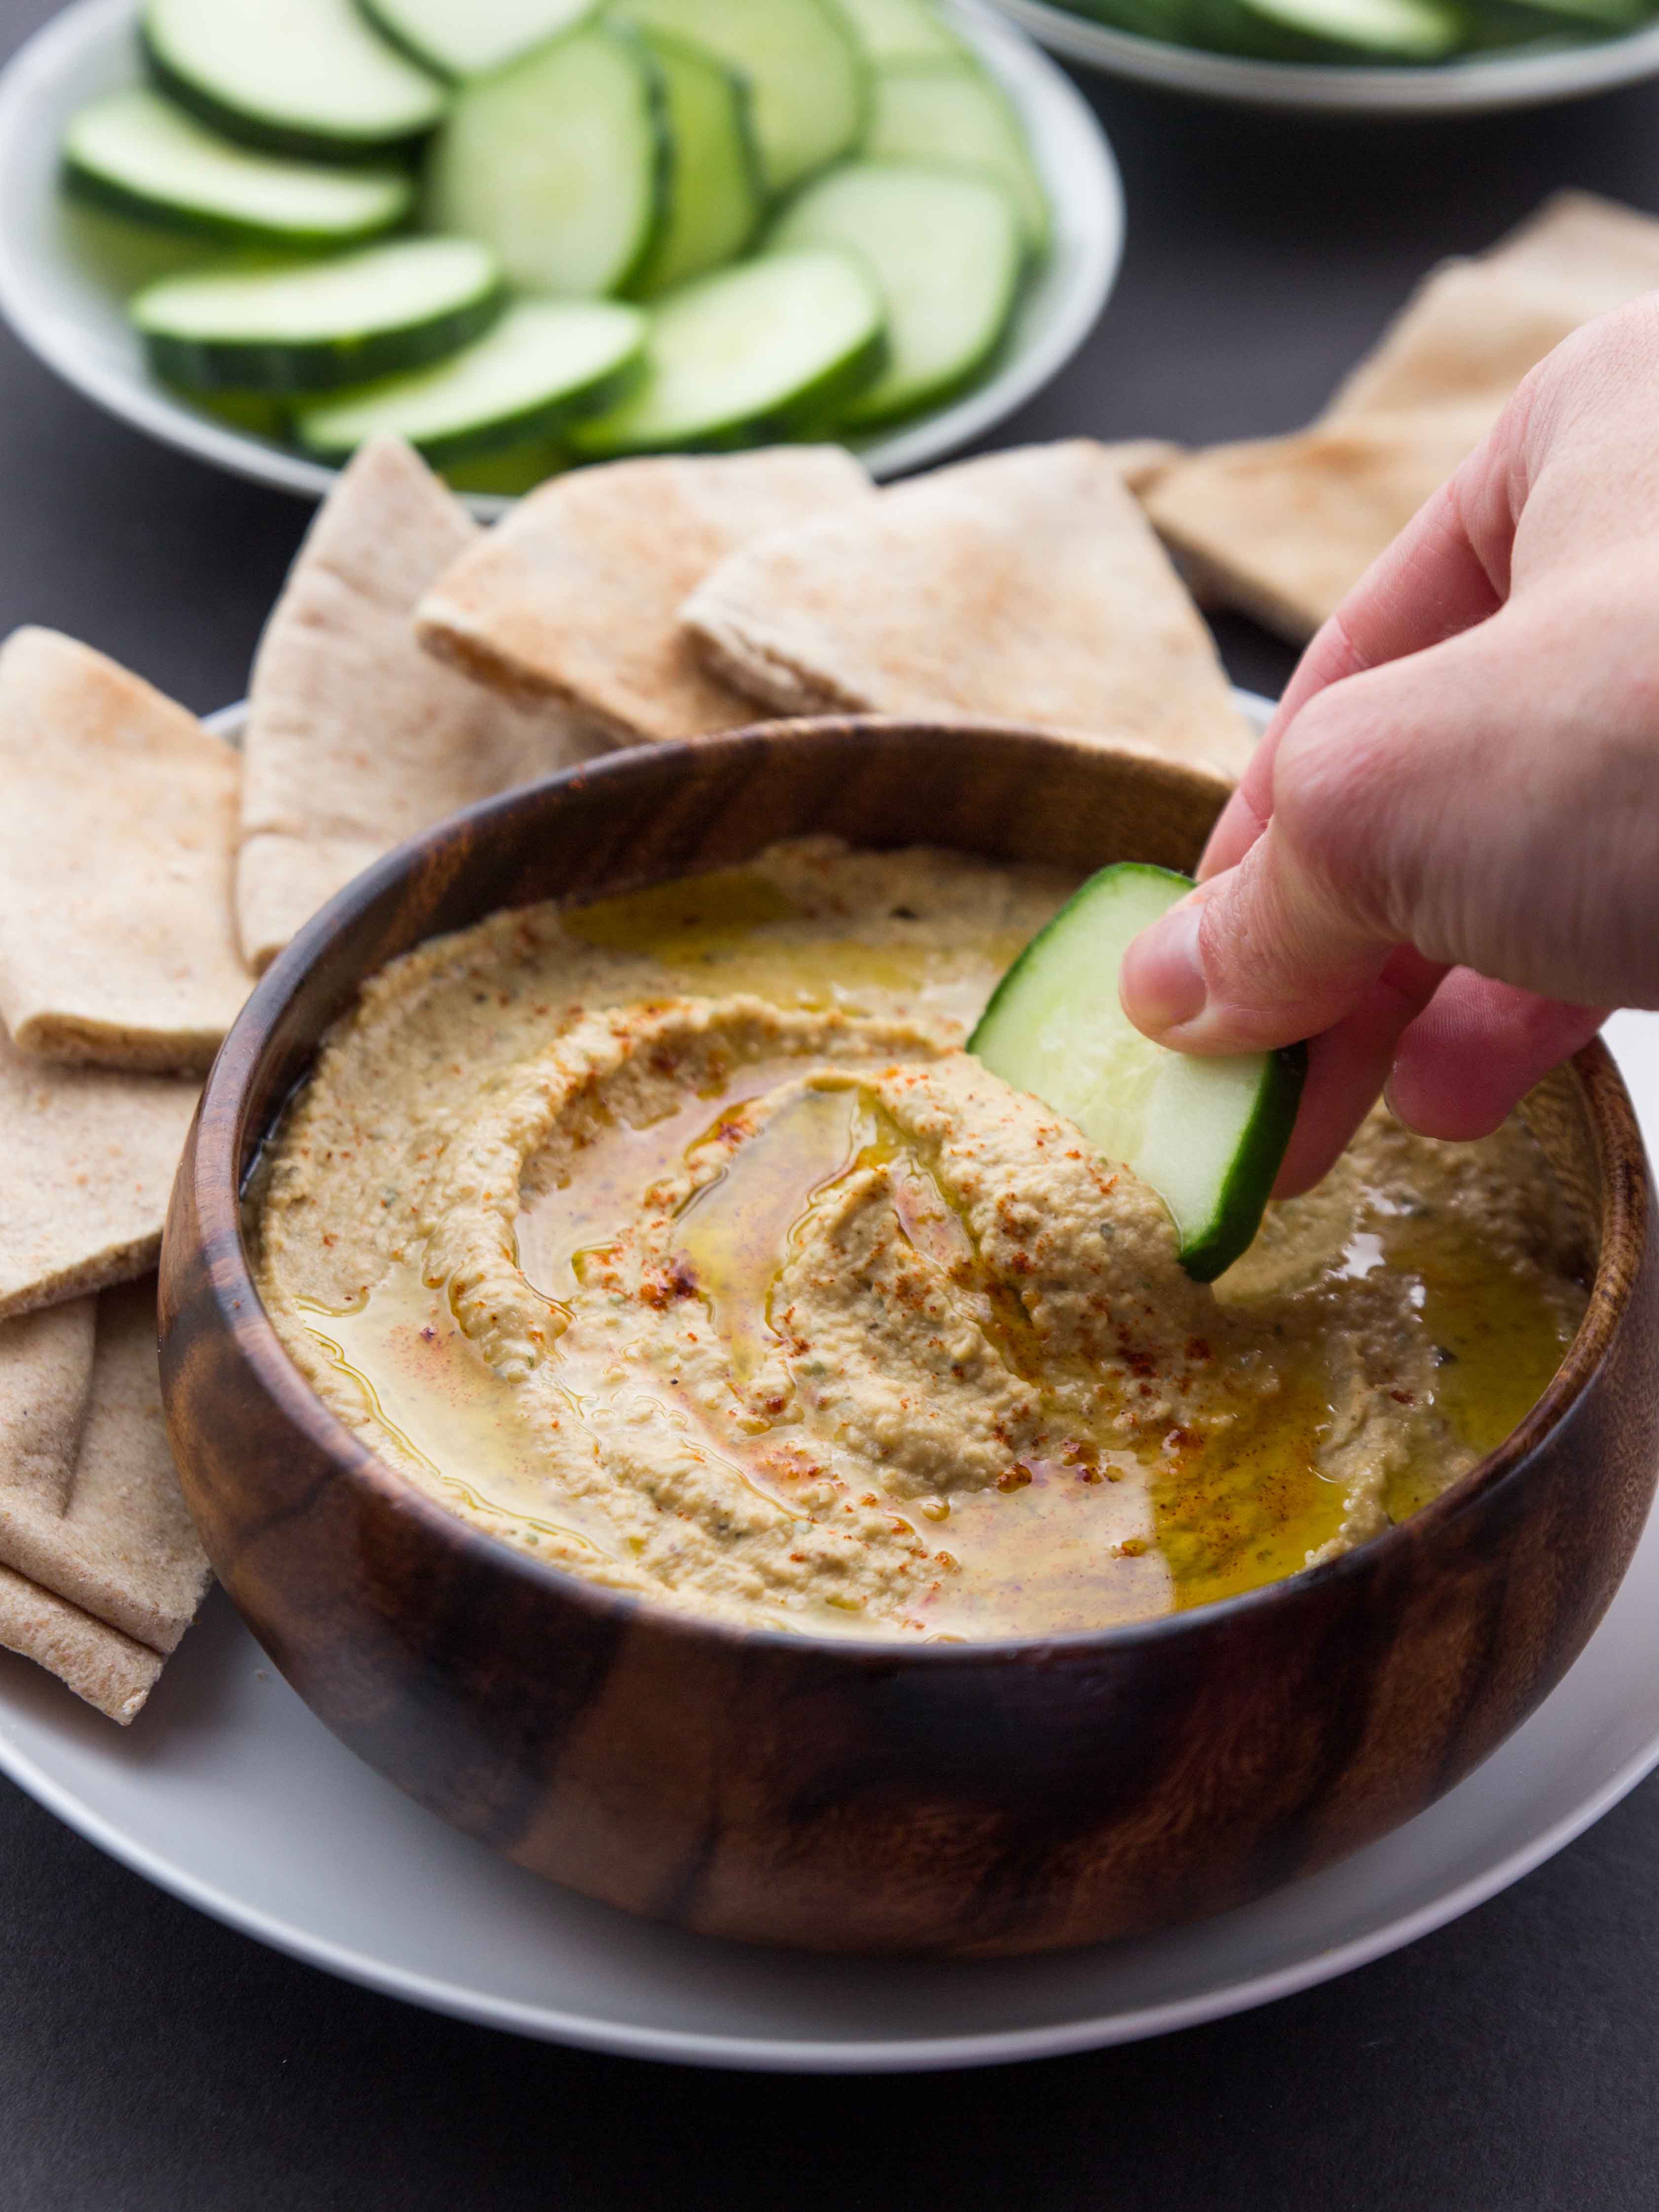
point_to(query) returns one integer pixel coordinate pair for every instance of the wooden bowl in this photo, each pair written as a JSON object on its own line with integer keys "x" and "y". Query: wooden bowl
{"x": 967, "y": 1799}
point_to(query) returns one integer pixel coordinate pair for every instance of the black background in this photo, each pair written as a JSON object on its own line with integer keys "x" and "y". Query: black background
{"x": 149, "y": 2059}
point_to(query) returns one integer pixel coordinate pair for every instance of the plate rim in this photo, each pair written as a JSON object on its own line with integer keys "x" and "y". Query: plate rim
{"x": 806, "y": 2055}
{"x": 1079, "y": 168}
{"x": 1483, "y": 84}
{"x": 770, "y": 2055}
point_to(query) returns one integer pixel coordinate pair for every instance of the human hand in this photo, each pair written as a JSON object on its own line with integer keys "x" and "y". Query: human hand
{"x": 1442, "y": 866}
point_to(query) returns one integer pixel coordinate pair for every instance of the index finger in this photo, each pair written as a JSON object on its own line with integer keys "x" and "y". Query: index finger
{"x": 1432, "y": 582}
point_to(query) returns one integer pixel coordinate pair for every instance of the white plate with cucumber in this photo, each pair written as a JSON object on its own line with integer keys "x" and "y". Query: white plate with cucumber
{"x": 1370, "y": 57}
{"x": 531, "y": 233}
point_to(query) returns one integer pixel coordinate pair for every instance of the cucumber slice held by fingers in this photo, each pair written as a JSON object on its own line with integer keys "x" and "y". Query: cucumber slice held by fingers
{"x": 946, "y": 252}
{"x": 136, "y": 154}
{"x": 1207, "y": 1135}
{"x": 464, "y": 37}
{"x": 559, "y": 162}
{"x": 299, "y": 76}
{"x": 758, "y": 350}
{"x": 313, "y": 325}
{"x": 543, "y": 363}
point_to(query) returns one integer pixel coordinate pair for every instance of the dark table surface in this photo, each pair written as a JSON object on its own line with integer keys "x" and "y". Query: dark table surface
{"x": 150, "y": 2058}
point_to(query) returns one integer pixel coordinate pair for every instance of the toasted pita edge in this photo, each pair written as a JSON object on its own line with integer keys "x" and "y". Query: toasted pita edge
{"x": 81, "y": 1041}
{"x": 750, "y": 639}
{"x": 120, "y": 1263}
{"x": 1220, "y": 572}
{"x": 113, "y": 1673}
{"x": 452, "y": 637}
{"x": 754, "y": 660}
{"x": 1216, "y": 583}
{"x": 1591, "y": 220}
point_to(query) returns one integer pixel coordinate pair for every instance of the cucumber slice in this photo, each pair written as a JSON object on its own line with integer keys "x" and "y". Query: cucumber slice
{"x": 951, "y": 112}
{"x": 467, "y": 38}
{"x": 1207, "y": 1135}
{"x": 1600, "y": 16}
{"x": 544, "y": 362}
{"x": 558, "y": 162}
{"x": 901, "y": 30}
{"x": 1390, "y": 30}
{"x": 715, "y": 194}
{"x": 309, "y": 326}
{"x": 512, "y": 471}
{"x": 804, "y": 68}
{"x": 750, "y": 353}
{"x": 139, "y": 156}
{"x": 946, "y": 252}
{"x": 299, "y": 76}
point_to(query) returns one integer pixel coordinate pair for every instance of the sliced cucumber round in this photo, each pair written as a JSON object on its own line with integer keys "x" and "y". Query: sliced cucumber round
{"x": 803, "y": 66}
{"x": 309, "y": 326}
{"x": 1207, "y": 1135}
{"x": 1391, "y": 30}
{"x": 544, "y": 362}
{"x": 900, "y": 31}
{"x": 465, "y": 37}
{"x": 136, "y": 154}
{"x": 559, "y": 162}
{"x": 1615, "y": 15}
{"x": 750, "y": 353}
{"x": 946, "y": 251}
{"x": 952, "y": 113}
{"x": 716, "y": 195}
{"x": 301, "y": 77}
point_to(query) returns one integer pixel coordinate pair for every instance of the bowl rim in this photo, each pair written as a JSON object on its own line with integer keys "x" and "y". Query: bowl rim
{"x": 222, "y": 1138}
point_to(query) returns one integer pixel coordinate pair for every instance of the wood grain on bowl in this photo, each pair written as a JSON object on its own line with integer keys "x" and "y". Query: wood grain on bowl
{"x": 969, "y": 1799}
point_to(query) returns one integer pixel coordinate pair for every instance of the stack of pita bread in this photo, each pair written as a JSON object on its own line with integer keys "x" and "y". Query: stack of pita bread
{"x": 1282, "y": 528}
{"x": 414, "y": 664}
{"x": 119, "y": 973}
{"x": 658, "y": 599}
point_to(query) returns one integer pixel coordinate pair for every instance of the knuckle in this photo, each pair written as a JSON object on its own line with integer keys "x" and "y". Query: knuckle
{"x": 1335, "y": 786}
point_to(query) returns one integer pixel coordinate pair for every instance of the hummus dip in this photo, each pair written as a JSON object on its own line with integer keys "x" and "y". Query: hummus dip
{"x": 676, "y": 1240}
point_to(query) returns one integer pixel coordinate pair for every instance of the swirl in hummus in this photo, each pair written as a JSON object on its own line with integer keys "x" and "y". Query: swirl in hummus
{"x": 677, "y": 1240}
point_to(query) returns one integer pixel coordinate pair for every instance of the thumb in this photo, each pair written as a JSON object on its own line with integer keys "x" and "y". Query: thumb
{"x": 1256, "y": 957}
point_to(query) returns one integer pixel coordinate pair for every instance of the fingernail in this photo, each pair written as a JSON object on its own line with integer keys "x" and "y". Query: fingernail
{"x": 1162, "y": 981}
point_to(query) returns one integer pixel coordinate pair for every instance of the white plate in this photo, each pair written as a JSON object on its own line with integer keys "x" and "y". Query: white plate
{"x": 229, "y": 1793}
{"x": 1454, "y": 87}
{"x": 55, "y": 301}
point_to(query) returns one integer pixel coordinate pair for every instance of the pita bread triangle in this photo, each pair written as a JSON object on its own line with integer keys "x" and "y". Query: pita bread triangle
{"x": 87, "y": 1162}
{"x": 101, "y": 1569}
{"x": 575, "y": 597}
{"x": 1025, "y": 586}
{"x": 118, "y": 816}
{"x": 356, "y": 738}
{"x": 1283, "y": 528}
{"x": 113, "y": 1672}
